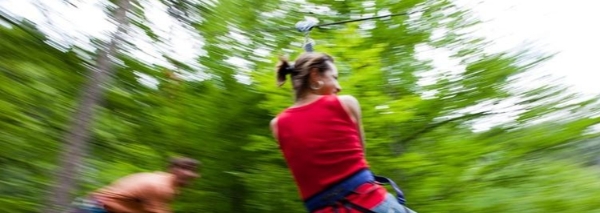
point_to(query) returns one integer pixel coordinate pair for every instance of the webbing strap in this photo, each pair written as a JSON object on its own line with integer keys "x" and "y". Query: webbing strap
{"x": 351, "y": 205}
{"x": 399, "y": 194}
{"x": 334, "y": 194}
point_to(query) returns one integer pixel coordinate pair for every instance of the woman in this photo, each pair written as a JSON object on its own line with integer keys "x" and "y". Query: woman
{"x": 322, "y": 140}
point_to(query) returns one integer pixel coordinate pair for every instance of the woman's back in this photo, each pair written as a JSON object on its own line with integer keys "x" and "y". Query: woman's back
{"x": 321, "y": 144}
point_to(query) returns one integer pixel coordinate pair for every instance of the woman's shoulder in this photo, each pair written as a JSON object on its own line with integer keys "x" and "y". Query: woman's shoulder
{"x": 349, "y": 102}
{"x": 351, "y": 106}
{"x": 348, "y": 99}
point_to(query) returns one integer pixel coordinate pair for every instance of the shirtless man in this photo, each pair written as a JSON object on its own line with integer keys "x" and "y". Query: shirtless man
{"x": 148, "y": 192}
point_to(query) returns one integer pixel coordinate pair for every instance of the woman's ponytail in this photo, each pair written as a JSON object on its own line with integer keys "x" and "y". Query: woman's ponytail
{"x": 284, "y": 67}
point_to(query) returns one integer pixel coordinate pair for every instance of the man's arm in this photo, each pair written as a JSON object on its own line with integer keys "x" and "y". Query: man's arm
{"x": 156, "y": 199}
{"x": 157, "y": 206}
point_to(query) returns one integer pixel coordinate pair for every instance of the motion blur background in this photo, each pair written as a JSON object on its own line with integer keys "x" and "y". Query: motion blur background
{"x": 470, "y": 105}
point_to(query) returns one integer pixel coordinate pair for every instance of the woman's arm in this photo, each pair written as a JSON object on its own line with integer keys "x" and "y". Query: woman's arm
{"x": 273, "y": 126}
{"x": 352, "y": 107}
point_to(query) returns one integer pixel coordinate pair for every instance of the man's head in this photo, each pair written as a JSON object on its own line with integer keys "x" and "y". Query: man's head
{"x": 184, "y": 169}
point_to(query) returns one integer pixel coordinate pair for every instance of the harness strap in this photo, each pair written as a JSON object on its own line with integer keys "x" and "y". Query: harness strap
{"x": 336, "y": 193}
{"x": 336, "y": 209}
{"x": 399, "y": 194}
{"x": 350, "y": 205}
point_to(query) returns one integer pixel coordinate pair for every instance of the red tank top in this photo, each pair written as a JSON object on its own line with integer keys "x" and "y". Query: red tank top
{"x": 322, "y": 146}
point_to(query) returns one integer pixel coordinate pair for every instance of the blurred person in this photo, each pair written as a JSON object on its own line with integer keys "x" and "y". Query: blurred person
{"x": 322, "y": 140}
{"x": 146, "y": 192}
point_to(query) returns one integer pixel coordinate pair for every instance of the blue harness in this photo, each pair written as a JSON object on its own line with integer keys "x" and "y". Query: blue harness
{"x": 336, "y": 194}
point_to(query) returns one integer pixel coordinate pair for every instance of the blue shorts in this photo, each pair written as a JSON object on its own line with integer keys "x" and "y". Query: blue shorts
{"x": 391, "y": 205}
{"x": 88, "y": 206}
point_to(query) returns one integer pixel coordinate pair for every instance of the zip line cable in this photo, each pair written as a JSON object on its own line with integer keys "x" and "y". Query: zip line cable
{"x": 337, "y": 22}
{"x": 307, "y": 25}
{"x": 364, "y": 19}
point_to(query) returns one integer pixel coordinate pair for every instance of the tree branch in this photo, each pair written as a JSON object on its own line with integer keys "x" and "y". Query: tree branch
{"x": 433, "y": 126}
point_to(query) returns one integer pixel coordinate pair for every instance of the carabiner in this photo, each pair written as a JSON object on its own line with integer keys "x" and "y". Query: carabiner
{"x": 305, "y": 27}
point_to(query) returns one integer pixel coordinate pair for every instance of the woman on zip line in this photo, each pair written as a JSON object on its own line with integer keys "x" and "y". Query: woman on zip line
{"x": 322, "y": 140}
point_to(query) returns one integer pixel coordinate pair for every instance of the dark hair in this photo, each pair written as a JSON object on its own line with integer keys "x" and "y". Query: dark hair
{"x": 300, "y": 70}
{"x": 183, "y": 163}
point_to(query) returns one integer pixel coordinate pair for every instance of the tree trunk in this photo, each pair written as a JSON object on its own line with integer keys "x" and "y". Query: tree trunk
{"x": 76, "y": 139}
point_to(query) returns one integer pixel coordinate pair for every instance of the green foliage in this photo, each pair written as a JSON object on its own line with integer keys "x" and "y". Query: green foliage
{"x": 543, "y": 161}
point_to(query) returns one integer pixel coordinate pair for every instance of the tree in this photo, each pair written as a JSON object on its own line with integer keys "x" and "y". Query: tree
{"x": 76, "y": 139}
{"x": 38, "y": 83}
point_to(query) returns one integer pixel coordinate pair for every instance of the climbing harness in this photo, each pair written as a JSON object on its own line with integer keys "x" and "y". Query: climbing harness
{"x": 335, "y": 195}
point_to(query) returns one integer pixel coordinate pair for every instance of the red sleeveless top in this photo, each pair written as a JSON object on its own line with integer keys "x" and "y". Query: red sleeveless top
{"x": 322, "y": 146}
